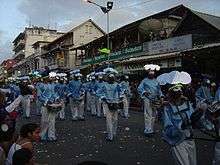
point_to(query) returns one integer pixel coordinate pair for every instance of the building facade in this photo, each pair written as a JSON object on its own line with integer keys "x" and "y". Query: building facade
{"x": 163, "y": 38}
{"x": 23, "y": 45}
{"x": 60, "y": 54}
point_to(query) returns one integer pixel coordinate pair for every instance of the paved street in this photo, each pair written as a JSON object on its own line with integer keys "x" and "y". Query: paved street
{"x": 85, "y": 140}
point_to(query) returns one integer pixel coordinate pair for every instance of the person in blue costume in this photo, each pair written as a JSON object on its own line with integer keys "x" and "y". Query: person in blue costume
{"x": 216, "y": 160}
{"x": 61, "y": 90}
{"x": 111, "y": 97}
{"x": 127, "y": 95}
{"x": 87, "y": 94}
{"x": 27, "y": 93}
{"x": 48, "y": 96}
{"x": 203, "y": 100}
{"x": 15, "y": 90}
{"x": 39, "y": 90}
{"x": 217, "y": 94}
{"x": 203, "y": 93}
{"x": 76, "y": 93}
{"x": 92, "y": 93}
{"x": 177, "y": 129}
{"x": 150, "y": 91}
{"x": 100, "y": 85}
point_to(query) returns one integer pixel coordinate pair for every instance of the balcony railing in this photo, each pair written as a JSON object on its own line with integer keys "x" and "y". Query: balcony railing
{"x": 19, "y": 55}
{"x": 19, "y": 45}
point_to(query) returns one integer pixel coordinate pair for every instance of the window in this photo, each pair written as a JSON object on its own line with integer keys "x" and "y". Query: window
{"x": 87, "y": 28}
{"x": 90, "y": 29}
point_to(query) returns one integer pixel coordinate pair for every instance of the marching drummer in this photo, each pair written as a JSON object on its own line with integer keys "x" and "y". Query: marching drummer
{"x": 61, "y": 90}
{"x": 76, "y": 93}
{"x": 150, "y": 91}
{"x": 217, "y": 94}
{"x": 203, "y": 93}
{"x": 177, "y": 129}
{"x": 92, "y": 93}
{"x": 48, "y": 118}
{"x": 111, "y": 97}
{"x": 99, "y": 86}
{"x": 216, "y": 160}
{"x": 127, "y": 95}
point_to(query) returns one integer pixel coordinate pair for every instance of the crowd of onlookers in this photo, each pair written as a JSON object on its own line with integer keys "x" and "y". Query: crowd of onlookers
{"x": 16, "y": 147}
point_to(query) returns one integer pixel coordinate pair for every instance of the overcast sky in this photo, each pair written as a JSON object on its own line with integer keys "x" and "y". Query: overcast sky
{"x": 15, "y": 15}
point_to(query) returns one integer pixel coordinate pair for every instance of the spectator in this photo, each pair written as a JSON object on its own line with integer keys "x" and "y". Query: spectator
{"x": 23, "y": 157}
{"x": 29, "y": 133}
{"x": 7, "y": 126}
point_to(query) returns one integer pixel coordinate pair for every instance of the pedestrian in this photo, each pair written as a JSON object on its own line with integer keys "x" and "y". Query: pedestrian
{"x": 6, "y": 135}
{"x": 23, "y": 156}
{"x": 126, "y": 97}
{"x": 150, "y": 91}
{"x": 29, "y": 133}
{"x": 76, "y": 93}
{"x": 26, "y": 92}
{"x": 112, "y": 97}
{"x": 7, "y": 124}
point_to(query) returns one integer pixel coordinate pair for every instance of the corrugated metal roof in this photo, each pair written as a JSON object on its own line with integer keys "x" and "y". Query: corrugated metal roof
{"x": 211, "y": 19}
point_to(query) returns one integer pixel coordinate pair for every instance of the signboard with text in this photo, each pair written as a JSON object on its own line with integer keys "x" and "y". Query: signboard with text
{"x": 115, "y": 55}
{"x": 174, "y": 44}
{"x": 168, "y": 45}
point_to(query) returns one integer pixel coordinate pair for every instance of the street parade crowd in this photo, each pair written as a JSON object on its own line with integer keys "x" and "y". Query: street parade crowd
{"x": 107, "y": 94}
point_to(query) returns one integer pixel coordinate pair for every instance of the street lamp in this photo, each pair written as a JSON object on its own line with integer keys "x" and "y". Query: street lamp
{"x": 105, "y": 10}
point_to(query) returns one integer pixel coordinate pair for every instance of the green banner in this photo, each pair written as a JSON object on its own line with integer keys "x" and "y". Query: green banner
{"x": 123, "y": 53}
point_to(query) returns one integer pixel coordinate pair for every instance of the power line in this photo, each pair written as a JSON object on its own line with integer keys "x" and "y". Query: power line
{"x": 137, "y": 4}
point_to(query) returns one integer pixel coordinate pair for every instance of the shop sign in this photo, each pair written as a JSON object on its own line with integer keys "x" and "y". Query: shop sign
{"x": 169, "y": 45}
{"x": 116, "y": 55}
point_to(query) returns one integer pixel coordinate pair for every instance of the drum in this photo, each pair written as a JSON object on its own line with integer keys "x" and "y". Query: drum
{"x": 156, "y": 104}
{"x": 214, "y": 110}
{"x": 114, "y": 106}
{"x": 54, "y": 108}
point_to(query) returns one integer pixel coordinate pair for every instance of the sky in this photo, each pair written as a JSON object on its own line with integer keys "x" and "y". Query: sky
{"x": 63, "y": 15}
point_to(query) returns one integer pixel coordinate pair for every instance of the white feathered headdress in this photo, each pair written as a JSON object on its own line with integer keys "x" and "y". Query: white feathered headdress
{"x": 52, "y": 74}
{"x": 75, "y": 71}
{"x": 110, "y": 70}
{"x": 152, "y": 67}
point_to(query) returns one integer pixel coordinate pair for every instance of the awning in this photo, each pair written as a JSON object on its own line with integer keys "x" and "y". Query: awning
{"x": 152, "y": 57}
{"x": 20, "y": 63}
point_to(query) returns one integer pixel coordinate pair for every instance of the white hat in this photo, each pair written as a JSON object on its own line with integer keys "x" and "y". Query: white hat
{"x": 111, "y": 75}
{"x": 52, "y": 74}
{"x": 78, "y": 75}
{"x": 110, "y": 70}
{"x": 152, "y": 67}
{"x": 61, "y": 74}
{"x": 24, "y": 78}
{"x": 75, "y": 71}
